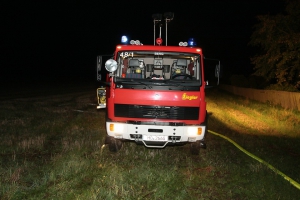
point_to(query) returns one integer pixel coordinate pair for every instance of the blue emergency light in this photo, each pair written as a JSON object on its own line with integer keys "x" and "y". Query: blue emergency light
{"x": 191, "y": 42}
{"x": 124, "y": 39}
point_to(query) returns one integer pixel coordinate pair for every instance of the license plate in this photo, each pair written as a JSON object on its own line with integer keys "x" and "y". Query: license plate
{"x": 155, "y": 138}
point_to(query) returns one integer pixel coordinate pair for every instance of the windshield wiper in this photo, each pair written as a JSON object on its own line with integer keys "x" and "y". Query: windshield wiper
{"x": 182, "y": 85}
{"x": 177, "y": 86}
{"x": 132, "y": 81}
{"x": 185, "y": 83}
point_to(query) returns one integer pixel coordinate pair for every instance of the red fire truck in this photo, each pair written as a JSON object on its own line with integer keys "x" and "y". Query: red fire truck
{"x": 154, "y": 94}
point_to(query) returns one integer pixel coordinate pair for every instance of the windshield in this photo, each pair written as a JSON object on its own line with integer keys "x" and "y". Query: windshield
{"x": 158, "y": 66}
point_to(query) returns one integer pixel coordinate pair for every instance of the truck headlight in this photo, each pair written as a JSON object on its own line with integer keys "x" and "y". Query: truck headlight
{"x": 116, "y": 128}
{"x": 194, "y": 131}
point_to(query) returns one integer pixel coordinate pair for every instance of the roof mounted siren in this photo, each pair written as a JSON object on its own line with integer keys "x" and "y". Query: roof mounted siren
{"x": 157, "y": 18}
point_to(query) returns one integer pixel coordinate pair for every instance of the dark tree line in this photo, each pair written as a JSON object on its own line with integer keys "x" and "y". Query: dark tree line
{"x": 278, "y": 38}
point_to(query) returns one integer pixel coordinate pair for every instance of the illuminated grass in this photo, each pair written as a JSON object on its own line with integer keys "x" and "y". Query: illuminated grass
{"x": 244, "y": 114}
{"x": 51, "y": 147}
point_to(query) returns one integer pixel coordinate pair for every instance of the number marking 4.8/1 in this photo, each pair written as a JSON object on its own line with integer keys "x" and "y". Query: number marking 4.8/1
{"x": 126, "y": 54}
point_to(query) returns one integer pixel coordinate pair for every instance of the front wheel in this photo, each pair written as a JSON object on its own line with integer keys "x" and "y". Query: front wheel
{"x": 195, "y": 148}
{"x": 114, "y": 145}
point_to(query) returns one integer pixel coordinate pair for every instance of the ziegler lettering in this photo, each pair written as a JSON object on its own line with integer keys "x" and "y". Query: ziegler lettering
{"x": 188, "y": 97}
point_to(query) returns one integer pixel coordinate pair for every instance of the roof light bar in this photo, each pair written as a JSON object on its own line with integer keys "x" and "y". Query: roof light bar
{"x": 135, "y": 42}
{"x": 184, "y": 44}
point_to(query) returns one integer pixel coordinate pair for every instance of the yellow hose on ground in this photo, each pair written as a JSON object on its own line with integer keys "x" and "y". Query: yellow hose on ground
{"x": 294, "y": 183}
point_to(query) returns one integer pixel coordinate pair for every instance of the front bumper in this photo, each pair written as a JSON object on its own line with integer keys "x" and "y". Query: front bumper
{"x": 156, "y": 136}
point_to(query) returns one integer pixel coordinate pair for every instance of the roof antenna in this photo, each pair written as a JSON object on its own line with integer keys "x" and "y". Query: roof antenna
{"x": 160, "y": 25}
{"x": 156, "y": 18}
{"x": 168, "y": 17}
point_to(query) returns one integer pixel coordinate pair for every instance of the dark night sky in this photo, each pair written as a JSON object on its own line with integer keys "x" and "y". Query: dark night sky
{"x": 43, "y": 40}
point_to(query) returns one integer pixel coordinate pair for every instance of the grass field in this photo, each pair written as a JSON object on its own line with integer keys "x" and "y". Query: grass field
{"x": 51, "y": 147}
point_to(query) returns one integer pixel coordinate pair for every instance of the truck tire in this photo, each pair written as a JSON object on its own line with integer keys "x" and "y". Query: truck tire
{"x": 195, "y": 148}
{"x": 114, "y": 145}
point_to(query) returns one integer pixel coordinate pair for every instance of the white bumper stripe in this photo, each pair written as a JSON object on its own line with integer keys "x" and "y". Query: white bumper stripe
{"x": 123, "y": 131}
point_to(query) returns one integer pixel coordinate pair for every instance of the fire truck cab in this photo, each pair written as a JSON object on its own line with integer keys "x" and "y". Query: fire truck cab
{"x": 154, "y": 95}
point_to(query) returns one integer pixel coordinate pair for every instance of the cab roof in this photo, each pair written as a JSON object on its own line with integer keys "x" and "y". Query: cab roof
{"x": 159, "y": 48}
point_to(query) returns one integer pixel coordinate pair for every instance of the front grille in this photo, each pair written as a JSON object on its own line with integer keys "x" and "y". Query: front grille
{"x": 156, "y": 112}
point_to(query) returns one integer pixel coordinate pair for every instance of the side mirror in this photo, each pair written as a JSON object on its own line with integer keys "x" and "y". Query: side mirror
{"x": 99, "y": 64}
{"x": 217, "y": 72}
